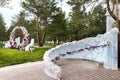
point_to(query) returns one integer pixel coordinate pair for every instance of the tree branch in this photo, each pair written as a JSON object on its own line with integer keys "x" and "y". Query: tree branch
{"x": 110, "y": 12}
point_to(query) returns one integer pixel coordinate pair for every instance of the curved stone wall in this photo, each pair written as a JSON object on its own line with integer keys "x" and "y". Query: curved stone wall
{"x": 102, "y": 48}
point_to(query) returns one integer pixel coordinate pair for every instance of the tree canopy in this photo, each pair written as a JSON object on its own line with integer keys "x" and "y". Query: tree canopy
{"x": 50, "y": 23}
{"x": 57, "y": 28}
{"x": 42, "y": 10}
{"x": 2, "y": 29}
{"x": 3, "y": 3}
{"x": 84, "y": 24}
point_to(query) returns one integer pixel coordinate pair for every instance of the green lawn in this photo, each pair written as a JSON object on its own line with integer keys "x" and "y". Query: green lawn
{"x": 13, "y": 56}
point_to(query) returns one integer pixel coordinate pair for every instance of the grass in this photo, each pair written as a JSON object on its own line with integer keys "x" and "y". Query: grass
{"x": 13, "y": 56}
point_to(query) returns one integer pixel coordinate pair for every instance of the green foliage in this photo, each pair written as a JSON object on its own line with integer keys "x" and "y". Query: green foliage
{"x": 20, "y": 20}
{"x": 50, "y": 44}
{"x": 84, "y": 24}
{"x": 9, "y": 31}
{"x": 1, "y": 44}
{"x": 32, "y": 6}
{"x": 31, "y": 29}
{"x": 42, "y": 10}
{"x": 52, "y": 23}
{"x": 2, "y": 29}
{"x": 4, "y": 3}
{"x": 78, "y": 20}
{"x": 13, "y": 56}
{"x": 114, "y": 1}
{"x": 57, "y": 28}
{"x": 77, "y": 2}
{"x": 97, "y": 22}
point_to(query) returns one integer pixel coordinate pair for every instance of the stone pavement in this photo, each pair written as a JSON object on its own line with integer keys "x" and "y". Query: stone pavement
{"x": 86, "y": 70}
{"x": 71, "y": 70}
{"x": 27, "y": 71}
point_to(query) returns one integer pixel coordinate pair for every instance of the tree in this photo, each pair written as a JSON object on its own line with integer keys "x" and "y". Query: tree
{"x": 2, "y": 29}
{"x": 78, "y": 19}
{"x": 111, "y": 11}
{"x": 42, "y": 10}
{"x": 57, "y": 30}
{"x": 4, "y": 2}
{"x": 114, "y": 16}
{"x": 20, "y": 20}
{"x": 97, "y": 22}
{"x": 83, "y": 24}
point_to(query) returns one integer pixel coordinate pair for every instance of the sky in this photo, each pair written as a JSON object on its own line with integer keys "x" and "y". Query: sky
{"x": 9, "y": 13}
{"x": 65, "y": 7}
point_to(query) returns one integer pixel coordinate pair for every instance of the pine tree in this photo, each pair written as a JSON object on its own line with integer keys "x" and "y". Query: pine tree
{"x": 78, "y": 19}
{"x": 2, "y": 29}
{"x": 42, "y": 10}
{"x": 57, "y": 28}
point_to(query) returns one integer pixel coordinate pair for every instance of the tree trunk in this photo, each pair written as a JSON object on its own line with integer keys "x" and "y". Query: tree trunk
{"x": 117, "y": 14}
{"x": 58, "y": 41}
{"x": 54, "y": 40}
{"x": 42, "y": 41}
{"x": 37, "y": 30}
{"x": 111, "y": 13}
{"x": 44, "y": 36}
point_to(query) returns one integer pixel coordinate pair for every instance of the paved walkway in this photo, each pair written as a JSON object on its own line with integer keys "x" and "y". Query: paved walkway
{"x": 86, "y": 70}
{"x": 27, "y": 71}
{"x": 71, "y": 70}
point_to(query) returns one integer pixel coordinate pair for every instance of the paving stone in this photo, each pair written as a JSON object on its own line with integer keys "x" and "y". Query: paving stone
{"x": 72, "y": 69}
